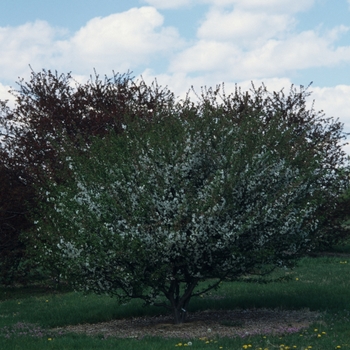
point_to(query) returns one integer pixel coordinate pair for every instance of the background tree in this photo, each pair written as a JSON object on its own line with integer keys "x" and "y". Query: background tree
{"x": 215, "y": 190}
{"x": 13, "y": 205}
{"x": 47, "y": 108}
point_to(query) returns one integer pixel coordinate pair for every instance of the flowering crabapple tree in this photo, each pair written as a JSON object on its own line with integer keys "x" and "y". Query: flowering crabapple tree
{"x": 205, "y": 191}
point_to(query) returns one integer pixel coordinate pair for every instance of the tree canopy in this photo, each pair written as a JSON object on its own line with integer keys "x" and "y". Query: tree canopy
{"x": 48, "y": 108}
{"x": 215, "y": 190}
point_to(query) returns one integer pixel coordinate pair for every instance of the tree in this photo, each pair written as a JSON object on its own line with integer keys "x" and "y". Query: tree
{"x": 11, "y": 224}
{"x": 47, "y": 108}
{"x": 212, "y": 191}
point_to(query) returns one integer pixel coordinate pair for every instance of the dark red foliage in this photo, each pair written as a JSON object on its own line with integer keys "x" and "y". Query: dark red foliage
{"x": 14, "y": 196}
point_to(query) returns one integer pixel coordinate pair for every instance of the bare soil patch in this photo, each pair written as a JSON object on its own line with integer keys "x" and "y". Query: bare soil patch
{"x": 210, "y": 324}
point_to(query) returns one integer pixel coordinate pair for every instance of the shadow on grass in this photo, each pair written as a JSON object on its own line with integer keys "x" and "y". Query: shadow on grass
{"x": 31, "y": 290}
{"x": 318, "y": 284}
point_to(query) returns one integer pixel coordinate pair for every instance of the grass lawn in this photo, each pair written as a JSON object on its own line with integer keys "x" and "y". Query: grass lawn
{"x": 321, "y": 283}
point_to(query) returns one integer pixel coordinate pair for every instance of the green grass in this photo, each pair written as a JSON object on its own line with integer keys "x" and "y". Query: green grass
{"x": 321, "y": 283}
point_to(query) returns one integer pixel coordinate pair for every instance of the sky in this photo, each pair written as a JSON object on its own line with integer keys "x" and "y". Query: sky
{"x": 184, "y": 43}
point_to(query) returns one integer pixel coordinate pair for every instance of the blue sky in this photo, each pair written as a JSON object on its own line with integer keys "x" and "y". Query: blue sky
{"x": 186, "y": 42}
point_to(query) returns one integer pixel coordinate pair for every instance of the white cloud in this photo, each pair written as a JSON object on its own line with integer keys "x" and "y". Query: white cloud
{"x": 287, "y": 6}
{"x": 243, "y": 28}
{"x": 334, "y": 101}
{"x": 304, "y": 50}
{"x": 26, "y": 44}
{"x": 244, "y": 43}
{"x": 205, "y": 56}
{"x": 124, "y": 39}
{"x": 118, "y": 42}
{"x": 168, "y": 4}
{"x": 271, "y": 58}
{"x": 4, "y": 94}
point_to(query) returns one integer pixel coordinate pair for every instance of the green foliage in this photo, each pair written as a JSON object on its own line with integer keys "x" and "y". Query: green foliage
{"x": 48, "y": 107}
{"x": 214, "y": 190}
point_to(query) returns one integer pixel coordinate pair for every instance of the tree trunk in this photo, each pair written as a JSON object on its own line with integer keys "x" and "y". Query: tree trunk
{"x": 180, "y": 313}
{"x": 179, "y": 303}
